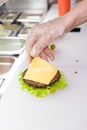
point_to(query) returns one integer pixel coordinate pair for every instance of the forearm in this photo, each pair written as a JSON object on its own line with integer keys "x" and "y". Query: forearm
{"x": 76, "y": 16}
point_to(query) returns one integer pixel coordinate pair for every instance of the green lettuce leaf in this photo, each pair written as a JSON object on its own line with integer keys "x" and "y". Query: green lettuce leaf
{"x": 42, "y": 92}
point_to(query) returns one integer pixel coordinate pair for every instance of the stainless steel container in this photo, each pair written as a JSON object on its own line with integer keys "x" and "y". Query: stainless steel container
{"x": 6, "y": 63}
{"x": 9, "y": 16}
{"x": 9, "y": 29}
{"x": 30, "y": 17}
{"x": 11, "y": 46}
{"x": 24, "y": 32}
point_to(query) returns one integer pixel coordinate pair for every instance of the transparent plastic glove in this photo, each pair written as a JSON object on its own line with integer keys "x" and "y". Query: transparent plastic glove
{"x": 2, "y": 2}
{"x": 41, "y": 36}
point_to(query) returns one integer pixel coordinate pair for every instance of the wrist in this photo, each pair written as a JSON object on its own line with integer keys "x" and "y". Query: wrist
{"x": 75, "y": 16}
{"x": 69, "y": 21}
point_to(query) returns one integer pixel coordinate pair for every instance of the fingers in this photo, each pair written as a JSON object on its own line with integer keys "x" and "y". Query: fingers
{"x": 43, "y": 56}
{"x": 41, "y": 36}
{"x": 27, "y": 52}
{"x": 29, "y": 44}
{"x": 42, "y": 43}
{"x": 47, "y": 54}
{"x": 32, "y": 38}
{"x": 39, "y": 48}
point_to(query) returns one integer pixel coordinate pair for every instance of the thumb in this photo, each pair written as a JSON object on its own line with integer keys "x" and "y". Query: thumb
{"x": 37, "y": 49}
{"x": 40, "y": 45}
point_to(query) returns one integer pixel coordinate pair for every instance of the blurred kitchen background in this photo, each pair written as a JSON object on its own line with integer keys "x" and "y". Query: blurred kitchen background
{"x": 18, "y": 16}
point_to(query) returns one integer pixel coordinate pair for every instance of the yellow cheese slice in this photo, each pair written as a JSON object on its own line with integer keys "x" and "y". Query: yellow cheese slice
{"x": 40, "y": 71}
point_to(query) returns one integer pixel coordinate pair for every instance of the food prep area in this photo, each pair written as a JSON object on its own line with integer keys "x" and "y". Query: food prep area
{"x": 14, "y": 23}
{"x": 64, "y": 110}
{"x": 15, "y": 26}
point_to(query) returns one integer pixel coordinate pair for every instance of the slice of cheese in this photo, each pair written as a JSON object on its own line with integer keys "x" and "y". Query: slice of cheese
{"x": 40, "y": 71}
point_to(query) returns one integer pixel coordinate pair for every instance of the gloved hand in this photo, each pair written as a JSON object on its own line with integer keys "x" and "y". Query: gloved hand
{"x": 41, "y": 36}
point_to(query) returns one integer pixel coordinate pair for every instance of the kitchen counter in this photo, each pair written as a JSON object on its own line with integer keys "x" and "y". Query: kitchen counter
{"x": 64, "y": 110}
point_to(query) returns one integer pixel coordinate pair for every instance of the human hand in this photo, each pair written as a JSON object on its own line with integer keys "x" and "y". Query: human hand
{"x": 41, "y": 36}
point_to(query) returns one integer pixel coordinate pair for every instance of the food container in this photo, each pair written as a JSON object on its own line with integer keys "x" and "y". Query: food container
{"x": 24, "y": 32}
{"x": 29, "y": 17}
{"x": 11, "y": 46}
{"x": 9, "y": 16}
{"x": 9, "y": 29}
{"x": 5, "y": 33}
{"x": 29, "y": 24}
{"x": 26, "y": 29}
{"x": 6, "y": 63}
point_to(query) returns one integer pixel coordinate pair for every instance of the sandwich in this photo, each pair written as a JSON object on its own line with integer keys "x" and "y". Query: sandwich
{"x": 42, "y": 78}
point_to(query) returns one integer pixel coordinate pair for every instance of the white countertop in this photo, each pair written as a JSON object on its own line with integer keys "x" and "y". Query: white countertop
{"x": 64, "y": 110}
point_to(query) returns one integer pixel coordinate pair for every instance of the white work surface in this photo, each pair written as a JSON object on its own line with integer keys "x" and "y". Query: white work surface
{"x": 64, "y": 110}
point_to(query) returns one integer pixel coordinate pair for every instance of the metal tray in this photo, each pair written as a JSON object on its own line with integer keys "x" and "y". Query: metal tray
{"x": 11, "y": 46}
{"x": 9, "y": 29}
{"x": 24, "y": 32}
{"x": 5, "y": 33}
{"x": 28, "y": 17}
{"x": 9, "y": 16}
{"x": 29, "y": 24}
{"x": 6, "y": 63}
{"x": 26, "y": 29}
